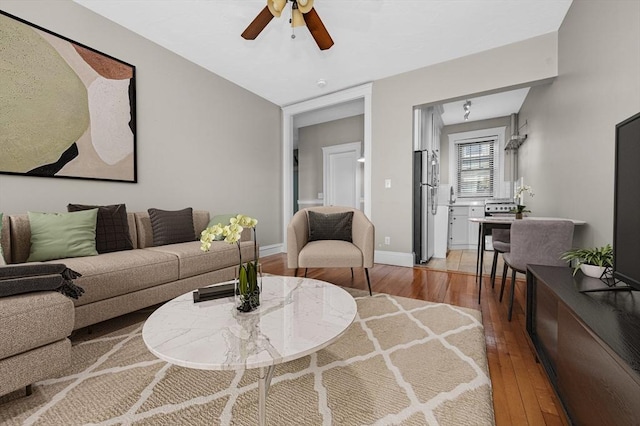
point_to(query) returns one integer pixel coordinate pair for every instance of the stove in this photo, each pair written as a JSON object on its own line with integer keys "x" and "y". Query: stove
{"x": 498, "y": 206}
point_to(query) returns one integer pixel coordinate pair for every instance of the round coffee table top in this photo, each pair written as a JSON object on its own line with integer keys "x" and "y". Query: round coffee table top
{"x": 296, "y": 317}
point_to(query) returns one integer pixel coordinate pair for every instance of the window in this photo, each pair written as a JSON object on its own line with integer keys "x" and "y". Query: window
{"x": 475, "y": 170}
{"x": 476, "y": 163}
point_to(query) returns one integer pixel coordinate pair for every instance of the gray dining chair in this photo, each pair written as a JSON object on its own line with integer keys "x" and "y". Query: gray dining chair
{"x": 500, "y": 242}
{"x": 501, "y": 239}
{"x": 535, "y": 242}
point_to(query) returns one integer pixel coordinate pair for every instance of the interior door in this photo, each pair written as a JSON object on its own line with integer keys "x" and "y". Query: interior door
{"x": 342, "y": 175}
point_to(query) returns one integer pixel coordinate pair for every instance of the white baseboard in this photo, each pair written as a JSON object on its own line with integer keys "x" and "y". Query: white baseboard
{"x": 271, "y": 249}
{"x": 393, "y": 258}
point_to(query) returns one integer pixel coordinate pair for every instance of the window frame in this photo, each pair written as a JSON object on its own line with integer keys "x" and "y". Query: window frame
{"x": 455, "y": 139}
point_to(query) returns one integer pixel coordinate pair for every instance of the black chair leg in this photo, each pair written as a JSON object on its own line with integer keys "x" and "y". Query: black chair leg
{"x": 479, "y": 289}
{"x": 305, "y": 272}
{"x": 494, "y": 266}
{"x": 504, "y": 279}
{"x": 295, "y": 273}
{"x": 351, "y": 274}
{"x": 513, "y": 290}
{"x": 366, "y": 271}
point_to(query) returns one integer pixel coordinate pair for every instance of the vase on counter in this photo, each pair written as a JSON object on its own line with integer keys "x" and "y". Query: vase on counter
{"x": 248, "y": 286}
{"x": 594, "y": 271}
{"x": 518, "y": 215}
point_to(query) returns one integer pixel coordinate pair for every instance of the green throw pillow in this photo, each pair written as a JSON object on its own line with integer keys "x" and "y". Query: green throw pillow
{"x": 62, "y": 235}
{"x": 2, "y": 261}
{"x": 222, "y": 219}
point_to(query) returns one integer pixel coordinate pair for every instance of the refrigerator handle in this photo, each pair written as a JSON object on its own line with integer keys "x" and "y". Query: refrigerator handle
{"x": 434, "y": 200}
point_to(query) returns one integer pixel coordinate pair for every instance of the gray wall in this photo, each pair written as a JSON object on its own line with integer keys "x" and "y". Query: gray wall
{"x": 393, "y": 98}
{"x": 201, "y": 140}
{"x": 568, "y": 157}
{"x": 312, "y": 139}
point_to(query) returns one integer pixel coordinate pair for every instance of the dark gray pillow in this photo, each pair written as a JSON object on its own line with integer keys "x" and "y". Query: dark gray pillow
{"x": 171, "y": 227}
{"x": 330, "y": 226}
{"x": 112, "y": 227}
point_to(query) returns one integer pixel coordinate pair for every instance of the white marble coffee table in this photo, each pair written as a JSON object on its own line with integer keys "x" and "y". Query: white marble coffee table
{"x": 296, "y": 317}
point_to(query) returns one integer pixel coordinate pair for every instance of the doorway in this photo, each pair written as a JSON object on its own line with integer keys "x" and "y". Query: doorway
{"x": 341, "y": 174}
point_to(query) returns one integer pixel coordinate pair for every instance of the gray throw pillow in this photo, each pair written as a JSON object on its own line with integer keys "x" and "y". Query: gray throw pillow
{"x": 171, "y": 227}
{"x": 330, "y": 226}
{"x": 112, "y": 228}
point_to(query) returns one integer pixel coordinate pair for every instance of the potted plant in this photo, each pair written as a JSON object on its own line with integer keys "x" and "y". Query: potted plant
{"x": 591, "y": 261}
{"x": 248, "y": 281}
{"x": 519, "y": 210}
{"x": 518, "y": 197}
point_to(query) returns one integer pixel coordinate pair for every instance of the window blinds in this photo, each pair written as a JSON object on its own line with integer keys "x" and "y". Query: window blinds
{"x": 476, "y": 168}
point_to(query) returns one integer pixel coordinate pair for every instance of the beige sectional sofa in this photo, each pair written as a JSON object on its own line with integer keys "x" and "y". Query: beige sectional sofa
{"x": 34, "y": 327}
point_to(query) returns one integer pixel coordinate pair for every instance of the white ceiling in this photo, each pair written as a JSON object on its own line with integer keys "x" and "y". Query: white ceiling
{"x": 485, "y": 107}
{"x": 373, "y": 38}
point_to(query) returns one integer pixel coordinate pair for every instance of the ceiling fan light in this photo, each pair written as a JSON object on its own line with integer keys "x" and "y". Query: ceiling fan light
{"x": 297, "y": 20}
{"x": 305, "y": 5}
{"x": 273, "y": 8}
{"x": 279, "y": 4}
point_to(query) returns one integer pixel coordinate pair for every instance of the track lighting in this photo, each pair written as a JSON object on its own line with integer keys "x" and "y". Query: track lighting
{"x": 467, "y": 109}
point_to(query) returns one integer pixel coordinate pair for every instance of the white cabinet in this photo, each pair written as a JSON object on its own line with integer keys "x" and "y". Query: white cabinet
{"x": 474, "y": 211}
{"x": 463, "y": 234}
{"x": 441, "y": 229}
{"x": 458, "y": 227}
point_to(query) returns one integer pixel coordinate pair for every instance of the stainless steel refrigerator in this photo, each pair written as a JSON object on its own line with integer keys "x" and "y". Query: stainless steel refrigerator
{"x": 425, "y": 203}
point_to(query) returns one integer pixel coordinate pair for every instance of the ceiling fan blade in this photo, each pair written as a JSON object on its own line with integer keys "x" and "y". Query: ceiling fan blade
{"x": 258, "y": 24}
{"x": 318, "y": 31}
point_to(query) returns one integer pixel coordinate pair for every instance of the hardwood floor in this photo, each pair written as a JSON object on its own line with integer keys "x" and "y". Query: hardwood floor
{"x": 522, "y": 394}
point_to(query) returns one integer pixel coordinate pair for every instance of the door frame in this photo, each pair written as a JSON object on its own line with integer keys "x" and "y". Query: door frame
{"x": 288, "y": 112}
{"x": 327, "y": 151}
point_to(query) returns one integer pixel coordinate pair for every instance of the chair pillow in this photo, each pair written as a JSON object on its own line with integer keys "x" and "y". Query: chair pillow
{"x": 112, "y": 227}
{"x": 2, "y": 261}
{"x": 171, "y": 227}
{"x": 62, "y": 235}
{"x": 330, "y": 226}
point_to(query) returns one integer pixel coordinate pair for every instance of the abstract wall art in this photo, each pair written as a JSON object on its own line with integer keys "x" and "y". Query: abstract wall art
{"x": 66, "y": 110}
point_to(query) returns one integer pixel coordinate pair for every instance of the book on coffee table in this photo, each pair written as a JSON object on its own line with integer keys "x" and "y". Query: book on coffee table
{"x": 214, "y": 292}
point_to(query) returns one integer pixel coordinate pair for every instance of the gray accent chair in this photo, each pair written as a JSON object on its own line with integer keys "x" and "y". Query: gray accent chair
{"x": 330, "y": 253}
{"x": 535, "y": 242}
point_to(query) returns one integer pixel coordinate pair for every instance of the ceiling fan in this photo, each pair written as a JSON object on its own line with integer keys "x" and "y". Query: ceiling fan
{"x": 302, "y": 13}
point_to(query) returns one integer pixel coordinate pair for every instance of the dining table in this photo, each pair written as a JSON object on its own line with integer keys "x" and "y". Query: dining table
{"x": 488, "y": 223}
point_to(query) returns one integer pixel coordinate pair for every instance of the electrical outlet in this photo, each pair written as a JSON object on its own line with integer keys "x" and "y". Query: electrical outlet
{"x": 387, "y": 240}
{"x": 387, "y": 183}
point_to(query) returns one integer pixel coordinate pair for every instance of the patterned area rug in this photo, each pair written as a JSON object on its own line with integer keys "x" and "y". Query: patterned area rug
{"x": 402, "y": 362}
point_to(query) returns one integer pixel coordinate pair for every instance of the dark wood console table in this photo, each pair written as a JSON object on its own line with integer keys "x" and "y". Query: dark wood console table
{"x": 588, "y": 343}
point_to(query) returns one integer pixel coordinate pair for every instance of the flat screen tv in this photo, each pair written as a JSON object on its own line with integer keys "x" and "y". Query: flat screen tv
{"x": 626, "y": 210}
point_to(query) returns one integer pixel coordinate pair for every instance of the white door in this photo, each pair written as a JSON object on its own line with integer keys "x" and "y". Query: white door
{"x": 342, "y": 175}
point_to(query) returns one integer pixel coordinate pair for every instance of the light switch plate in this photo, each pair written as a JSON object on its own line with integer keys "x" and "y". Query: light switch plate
{"x": 387, "y": 183}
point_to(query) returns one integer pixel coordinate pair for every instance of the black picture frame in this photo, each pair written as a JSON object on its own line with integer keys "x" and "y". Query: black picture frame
{"x": 66, "y": 110}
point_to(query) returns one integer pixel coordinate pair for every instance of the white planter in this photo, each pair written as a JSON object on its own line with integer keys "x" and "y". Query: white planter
{"x": 592, "y": 270}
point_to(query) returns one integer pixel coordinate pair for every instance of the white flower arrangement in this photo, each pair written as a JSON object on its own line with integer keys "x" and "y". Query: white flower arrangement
{"x": 248, "y": 288}
{"x": 522, "y": 190}
{"x": 518, "y": 197}
{"x": 230, "y": 232}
